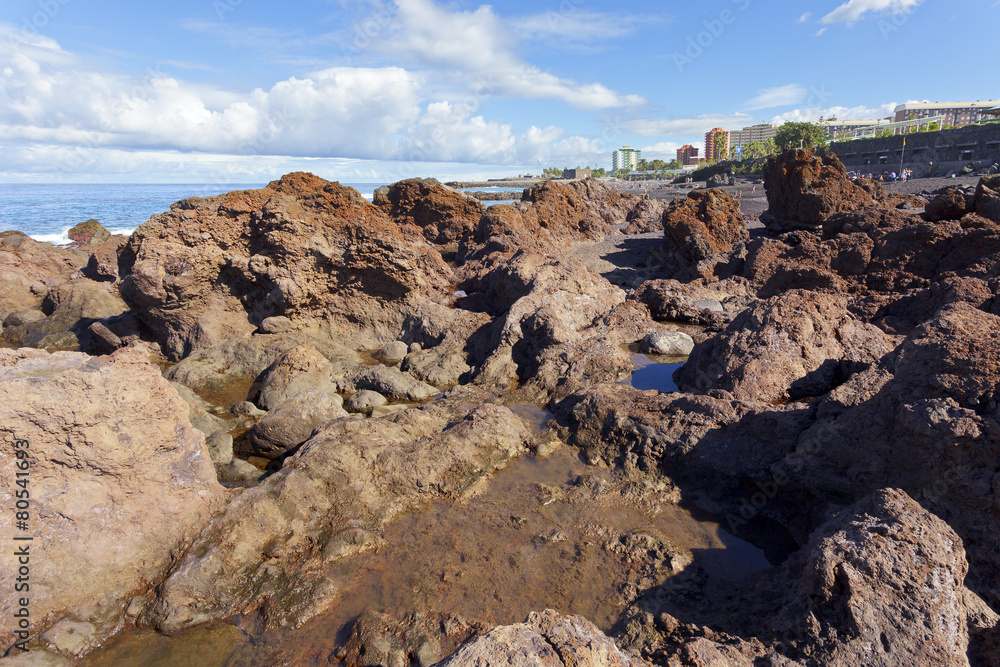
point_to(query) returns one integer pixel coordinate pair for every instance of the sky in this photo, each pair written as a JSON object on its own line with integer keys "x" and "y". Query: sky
{"x": 243, "y": 91}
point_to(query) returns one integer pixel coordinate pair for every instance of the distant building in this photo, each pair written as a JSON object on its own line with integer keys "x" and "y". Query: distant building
{"x": 626, "y": 159}
{"x": 687, "y": 155}
{"x": 835, "y": 128}
{"x": 576, "y": 174}
{"x": 760, "y": 133}
{"x": 956, "y": 114}
{"x": 710, "y": 153}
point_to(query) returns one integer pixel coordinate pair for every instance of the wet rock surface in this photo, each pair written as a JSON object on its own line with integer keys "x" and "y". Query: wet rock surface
{"x": 832, "y": 415}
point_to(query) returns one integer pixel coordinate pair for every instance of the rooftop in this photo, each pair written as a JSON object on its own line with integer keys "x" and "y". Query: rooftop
{"x": 948, "y": 105}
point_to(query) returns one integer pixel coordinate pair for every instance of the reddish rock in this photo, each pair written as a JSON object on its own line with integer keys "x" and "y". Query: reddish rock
{"x": 704, "y": 223}
{"x": 804, "y": 189}
{"x": 951, "y": 204}
{"x": 88, "y": 234}
{"x": 987, "y": 200}
{"x": 645, "y": 216}
{"x": 440, "y": 213}
{"x": 28, "y": 269}
{"x": 797, "y": 344}
{"x": 215, "y": 268}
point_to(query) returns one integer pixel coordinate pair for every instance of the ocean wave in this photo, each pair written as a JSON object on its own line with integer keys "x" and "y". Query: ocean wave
{"x": 62, "y": 238}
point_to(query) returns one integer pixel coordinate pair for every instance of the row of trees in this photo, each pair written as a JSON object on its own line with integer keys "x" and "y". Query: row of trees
{"x": 789, "y": 135}
{"x": 556, "y": 172}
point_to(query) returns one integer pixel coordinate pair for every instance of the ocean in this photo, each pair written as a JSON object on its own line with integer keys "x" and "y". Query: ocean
{"x": 46, "y": 212}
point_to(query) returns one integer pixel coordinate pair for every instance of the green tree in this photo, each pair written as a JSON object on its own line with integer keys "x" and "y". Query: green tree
{"x": 768, "y": 147}
{"x": 800, "y": 135}
{"x": 720, "y": 142}
{"x": 599, "y": 172}
{"x": 674, "y": 164}
{"x": 552, "y": 172}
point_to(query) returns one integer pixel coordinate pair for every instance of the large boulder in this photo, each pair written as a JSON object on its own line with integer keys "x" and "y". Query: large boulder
{"x": 440, "y": 213}
{"x": 28, "y": 269}
{"x": 215, "y": 268}
{"x": 88, "y": 234}
{"x": 645, "y": 216}
{"x": 804, "y": 189}
{"x": 300, "y": 369}
{"x": 791, "y": 346}
{"x": 331, "y": 500}
{"x": 72, "y": 308}
{"x": 705, "y": 223}
{"x": 544, "y": 639}
{"x": 119, "y": 483}
{"x": 951, "y": 204}
{"x": 922, "y": 419}
{"x": 293, "y": 421}
{"x": 880, "y": 584}
{"x": 987, "y": 199}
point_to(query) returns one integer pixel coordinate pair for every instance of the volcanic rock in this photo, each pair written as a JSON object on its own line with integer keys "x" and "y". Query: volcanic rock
{"x": 28, "y": 269}
{"x": 545, "y": 639}
{"x": 364, "y": 401}
{"x": 120, "y": 482}
{"x": 987, "y": 200}
{"x": 798, "y": 344}
{"x": 951, "y": 204}
{"x": 89, "y": 234}
{"x": 668, "y": 343}
{"x": 804, "y": 189}
{"x": 645, "y": 216}
{"x": 293, "y": 421}
{"x": 301, "y": 368}
{"x": 440, "y": 213}
{"x": 703, "y": 224}
{"x": 329, "y": 501}
{"x": 214, "y": 268}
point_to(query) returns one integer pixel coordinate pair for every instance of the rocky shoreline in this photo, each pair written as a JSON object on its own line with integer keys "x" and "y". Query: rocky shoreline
{"x": 232, "y": 411}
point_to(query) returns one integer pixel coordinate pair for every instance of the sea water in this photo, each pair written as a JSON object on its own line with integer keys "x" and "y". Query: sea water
{"x": 46, "y": 212}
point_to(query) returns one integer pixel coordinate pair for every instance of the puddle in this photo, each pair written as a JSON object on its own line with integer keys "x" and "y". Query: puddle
{"x": 205, "y": 646}
{"x": 654, "y": 372}
{"x": 535, "y": 539}
{"x": 547, "y": 532}
{"x": 231, "y": 393}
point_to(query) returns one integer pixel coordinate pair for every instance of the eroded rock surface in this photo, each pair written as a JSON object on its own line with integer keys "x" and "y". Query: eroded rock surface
{"x": 120, "y": 482}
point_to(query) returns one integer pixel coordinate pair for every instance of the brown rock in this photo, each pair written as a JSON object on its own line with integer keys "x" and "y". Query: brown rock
{"x": 951, "y": 204}
{"x": 880, "y": 584}
{"x": 103, "y": 263}
{"x": 804, "y": 189}
{"x": 440, "y": 213}
{"x": 215, "y": 268}
{"x": 299, "y": 369}
{"x": 89, "y": 234}
{"x": 28, "y": 269}
{"x": 987, "y": 200}
{"x": 330, "y": 501}
{"x": 120, "y": 482}
{"x": 545, "y": 639}
{"x": 705, "y": 223}
{"x": 794, "y": 345}
{"x": 645, "y": 216}
{"x": 293, "y": 421}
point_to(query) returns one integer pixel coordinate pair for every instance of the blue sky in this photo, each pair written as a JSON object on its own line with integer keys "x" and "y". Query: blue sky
{"x": 245, "y": 90}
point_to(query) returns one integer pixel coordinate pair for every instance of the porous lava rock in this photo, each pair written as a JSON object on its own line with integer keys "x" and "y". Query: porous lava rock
{"x": 804, "y": 189}
{"x": 440, "y": 213}
{"x": 214, "y": 268}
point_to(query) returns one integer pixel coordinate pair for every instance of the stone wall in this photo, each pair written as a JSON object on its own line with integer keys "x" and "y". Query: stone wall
{"x": 948, "y": 150}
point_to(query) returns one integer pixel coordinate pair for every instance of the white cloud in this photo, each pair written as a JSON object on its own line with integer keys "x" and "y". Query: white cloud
{"x": 778, "y": 96}
{"x": 805, "y": 17}
{"x": 476, "y": 47}
{"x": 663, "y": 148}
{"x": 842, "y": 113}
{"x": 853, "y": 10}
{"x": 50, "y": 98}
{"x": 819, "y": 32}
{"x": 686, "y": 126}
{"x": 577, "y": 26}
